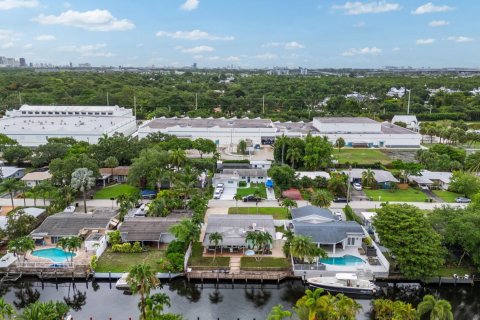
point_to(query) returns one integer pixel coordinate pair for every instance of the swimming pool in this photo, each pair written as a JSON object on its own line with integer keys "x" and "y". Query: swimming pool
{"x": 346, "y": 260}
{"x": 53, "y": 254}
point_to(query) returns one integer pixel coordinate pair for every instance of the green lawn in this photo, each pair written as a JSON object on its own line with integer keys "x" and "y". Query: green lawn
{"x": 447, "y": 196}
{"x": 408, "y": 195}
{"x": 449, "y": 271}
{"x": 247, "y": 191}
{"x": 198, "y": 260}
{"x": 361, "y": 156}
{"x": 114, "y": 191}
{"x": 123, "y": 262}
{"x": 277, "y": 213}
{"x": 265, "y": 262}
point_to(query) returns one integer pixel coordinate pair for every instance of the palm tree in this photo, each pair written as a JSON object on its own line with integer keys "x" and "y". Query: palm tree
{"x": 11, "y": 186}
{"x": 281, "y": 142}
{"x": 126, "y": 202}
{"x": 142, "y": 280}
{"x": 340, "y": 143}
{"x": 302, "y": 247}
{"x": 83, "y": 180}
{"x": 155, "y": 305}
{"x": 438, "y": 309}
{"x": 63, "y": 243}
{"x": 73, "y": 244}
{"x": 237, "y": 197}
{"x": 278, "y": 313}
{"x": 21, "y": 245}
{"x": 288, "y": 204}
{"x": 368, "y": 177}
{"x": 321, "y": 198}
{"x": 44, "y": 311}
{"x": 347, "y": 308}
{"x": 6, "y": 310}
{"x": 252, "y": 238}
{"x": 294, "y": 155}
{"x": 111, "y": 162}
{"x": 215, "y": 238}
{"x": 178, "y": 158}
{"x": 44, "y": 188}
{"x": 24, "y": 188}
{"x": 266, "y": 241}
{"x": 186, "y": 231}
{"x": 313, "y": 302}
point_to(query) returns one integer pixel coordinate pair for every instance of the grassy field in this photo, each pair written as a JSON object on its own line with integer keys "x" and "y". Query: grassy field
{"x": 449, "y": 271}
{"x": 114, "y": 191}
{"x": 247, "y": 191}
{"x": 198, "y": 260}
{"x": 277, "y": 213}
{"x": 447, "y": 196}
{"x": 123, "y": 262}
{"x": 265, "y": 262}
{"x": 361, "y": 156}
{"x": 408, "y": 195}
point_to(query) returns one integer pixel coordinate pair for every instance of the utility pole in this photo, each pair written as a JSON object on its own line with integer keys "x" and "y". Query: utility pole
{"x": 408, "y": 105}
{"x": 196, "y": 101}
{"x": 263, "y": 104}
{"x": 20, "y": 97}
{"x": 108, "y": 102}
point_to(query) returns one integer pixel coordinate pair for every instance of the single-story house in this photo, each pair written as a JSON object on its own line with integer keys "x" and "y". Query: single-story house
{"x": 31, "y": 211}
{"x": 32, "y": 179}
{"x": 248, "y": 175}
{"x": 234, "y": 229}
{"x": 11, "y": 172}
{"x": 229, "y": 180}
{"x": 260, "y": 164}
{"x": 313, "y": 174}
{"x": 117, "y": 174}
{"x": 253, "y": 164}
{"x": 63, "y": 225}
{"x": 325, "y": 230}
{"x": 382, "y": 177}
{"x": 433, "y": 179}
{"x": 147, "y": 229}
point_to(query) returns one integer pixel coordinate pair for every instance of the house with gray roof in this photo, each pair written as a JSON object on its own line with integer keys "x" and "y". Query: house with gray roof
{"x": 147, "y": 229}
{"x": 325, "y": 229}
{"x": 383, "y": 178}
{"x": 62, "y": 225}
{"x": 234, "y": 229}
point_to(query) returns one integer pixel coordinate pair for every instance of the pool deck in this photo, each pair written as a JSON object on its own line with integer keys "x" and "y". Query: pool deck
{"x": 81, "y": 258}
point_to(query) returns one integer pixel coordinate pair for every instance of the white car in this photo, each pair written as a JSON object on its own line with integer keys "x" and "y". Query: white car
{"x": 217, "y": 195}
{"x": 220, "y": 186}
{"x": 424, "y": 187}
{"x": 219, "y": 190}
{"x": 357, "y": 186}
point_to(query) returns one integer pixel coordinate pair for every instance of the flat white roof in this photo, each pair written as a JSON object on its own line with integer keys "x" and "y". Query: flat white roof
{"x": 9, "y": 171}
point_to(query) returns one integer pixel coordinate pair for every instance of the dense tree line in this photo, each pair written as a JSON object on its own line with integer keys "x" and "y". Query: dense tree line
{"x": 201, "y": 94}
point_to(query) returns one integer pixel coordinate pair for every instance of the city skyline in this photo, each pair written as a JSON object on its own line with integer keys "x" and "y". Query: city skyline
{"x": 247, "y": 34}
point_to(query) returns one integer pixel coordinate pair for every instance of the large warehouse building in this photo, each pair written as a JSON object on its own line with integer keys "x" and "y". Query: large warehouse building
{"x": 356, "y": 131}
{"x": 32, "y": 125}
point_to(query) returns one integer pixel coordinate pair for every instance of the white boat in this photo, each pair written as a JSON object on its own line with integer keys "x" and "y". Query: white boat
{"x": 122, "y": 283}
{"x": 344, "y": 283}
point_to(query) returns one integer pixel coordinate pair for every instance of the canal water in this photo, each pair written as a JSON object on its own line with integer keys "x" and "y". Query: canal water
{"x": 100, "y": 300}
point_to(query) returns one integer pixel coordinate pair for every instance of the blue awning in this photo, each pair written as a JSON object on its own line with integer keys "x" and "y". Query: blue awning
{"x": 269, "y": 184}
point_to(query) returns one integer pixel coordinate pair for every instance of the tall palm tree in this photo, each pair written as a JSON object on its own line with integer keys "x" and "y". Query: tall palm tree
{"x": 321, "y": 198}
{"x": 142, "y": 280}
{"x": 216, "y": 238}
{"x": 237, "y": 197}
{"x": 288, "y": 204}
{"x": 44, "y": 188}
{"x": 83, "y": 180}
{"x": 303, "y": 247}
{"x": 24, "y": 188}
{"x": 63, "y": 243}
{"x": 438, "y": 309}
{"x": 11, "y": 186}
{"x": 313, "y": 302}
{"x": 73, "y": 244}
{"x": 347, "y": 308}
{"x": 294, "y": 155}
{"x": 44, "y": 311}
{"x": 178, "y": 158}
{"x": 155, "y": 305}
{"x": 21, "y": 245}
{"x": 252, "y": 238}
{"x": 368, "y": 177}
{"x": 278, "y": 313}
{"x": 281, "y": 142}
{"x": 6, "y": 310}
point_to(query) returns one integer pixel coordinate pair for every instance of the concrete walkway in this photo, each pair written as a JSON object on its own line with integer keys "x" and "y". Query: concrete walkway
{"x": 235, "y": 264}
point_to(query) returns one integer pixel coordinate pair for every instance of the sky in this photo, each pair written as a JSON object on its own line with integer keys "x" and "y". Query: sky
{"x": 243, "y": 33}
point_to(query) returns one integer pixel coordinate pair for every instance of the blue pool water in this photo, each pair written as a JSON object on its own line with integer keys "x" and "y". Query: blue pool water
{"x": 346, "y": 260}
{"x": 54, "y": 254}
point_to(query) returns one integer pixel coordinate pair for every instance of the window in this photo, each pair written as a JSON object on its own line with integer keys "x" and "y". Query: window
{"x": 70, "y": 113}
{"x": 110, "y": 113}
{"x": 43, "y": 112}
{"x": 84, "y": 113}
{"x": 103, "y": 113}
{"x": 90, "y": 113}
{"x": 77, "y": 112}
{"x": 50, "y": 112}
{"x": 260, "y": 178}
{"x": 351, "y": 241}
{"x": 63, "y": 112}
{"x": 24, "y": 112}
{"x": 96, "y": 113}
{"x": 56, "y": 112}
{"x": 36, "y": 112}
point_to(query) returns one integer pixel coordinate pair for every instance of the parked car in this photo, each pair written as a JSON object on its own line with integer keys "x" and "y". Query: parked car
{"x": 217, "y": 195}
{"x": 424, "y": 187}
{"x": 257, "y": 147}
{"x": 462, "y": 200}
{"x": 340, "y": 199}
{"x": 357, "y": 186}
{"x": 251, "y": 198}
{"x": 219, "y": 190}
{"x": 221, "y": 186}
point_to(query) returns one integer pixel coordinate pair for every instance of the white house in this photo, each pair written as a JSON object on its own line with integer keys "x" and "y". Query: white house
{"x": 34, "y": 178}
{"x": 313, "y": 174}
{"x": 394, "y": 92}
{"x": 33, "y": 125}
{"x": 433, "y": 179}
{"x": 11, "y": 172}
{"x": 410, "y": 120}
{"x": 248, "y": 175}
{"x": 260, "y": 164}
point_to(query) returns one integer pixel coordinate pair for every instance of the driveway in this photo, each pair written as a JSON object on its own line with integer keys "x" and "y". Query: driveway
{"x": 228, "y": 193}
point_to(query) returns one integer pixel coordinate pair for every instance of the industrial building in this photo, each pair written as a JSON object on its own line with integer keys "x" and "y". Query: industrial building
{"x": 356, "y": 131}
{"x": 32, "y": 125}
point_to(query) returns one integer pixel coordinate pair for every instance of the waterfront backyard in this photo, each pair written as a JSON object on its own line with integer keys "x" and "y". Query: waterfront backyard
{"x": 123, "y": 262}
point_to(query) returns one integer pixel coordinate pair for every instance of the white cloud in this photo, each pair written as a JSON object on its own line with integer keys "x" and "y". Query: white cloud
{"x": 286, "y": 45}
{"x": 7, "y": 45}
{"x": 362, "y": 51}
{"x": 266, "y": 56}
{"x": 28, "y": 46}
{"x": 45, "y": 37}
{"x": 94, "y": 20}
{"x": 190, "y": 5}
{"x": 198, "y": 49}
{"x": 460, "y": 39}
{"x": 438, "y": 23}
{"x": 396, "y": 49}
{"x": 192, "y": 35}
{"x": 89, "y": 50}
{"x": 13, "y": 4}
{"x": 232, "y": 59}
{"x": 357, "y": 7}
{"x": 425, "y": 41}
{"x": 359, "y": 24}
{"x": 431, "y": 8}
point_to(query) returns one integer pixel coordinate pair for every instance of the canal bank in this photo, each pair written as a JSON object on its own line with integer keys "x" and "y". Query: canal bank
{"x": 100, "y": 300}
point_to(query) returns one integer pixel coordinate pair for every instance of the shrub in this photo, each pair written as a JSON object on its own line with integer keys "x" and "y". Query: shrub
{"x": 136, "y": 248}
{"x": 114, "y": 237}
{"x": 175, "y": 262}
{"x": 351, "y": 216}
{"x": 242, "y": 184}
{"x": 122, "y": 248}
{"x": 176, "y": 247}
{"x": 93, "y": 262}
{"x": 367, "y": 241}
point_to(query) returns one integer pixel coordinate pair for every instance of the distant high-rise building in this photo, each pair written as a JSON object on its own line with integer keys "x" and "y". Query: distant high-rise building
{"x": 23, "y": 63}
{"x": 194, "y": 66}
{"x": 71, "y": 65}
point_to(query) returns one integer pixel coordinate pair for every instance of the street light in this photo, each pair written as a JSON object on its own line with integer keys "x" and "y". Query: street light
{"x": 348, "y": 184}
